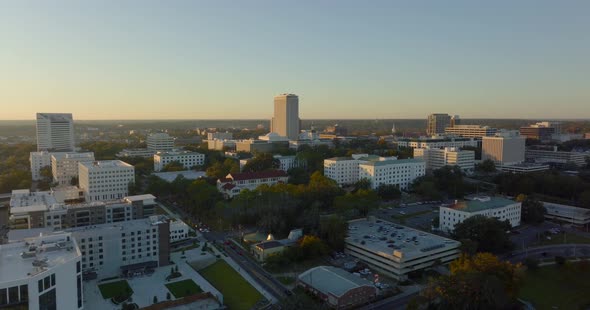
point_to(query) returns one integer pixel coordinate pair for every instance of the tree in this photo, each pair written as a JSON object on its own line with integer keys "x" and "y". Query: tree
{"x": 361, "y": 202}
{"x": 155, "y": 301}
{"x": 533, "y": 211}
{"x": 261, "y": 162}
{"x": 312, "y": 247}
{"x": 202, "y": 197}
{"x": 489, "y": 233}
{"x": 481, "y": 281}
{"x": 298, "y": 175}
{"x": 427, "y": 189}
{"x": 560, "y": 260}
{"x": 168, "y": 297}
{"x": 220, "y": 169}
{"x": 46, "y": 173}
{"x": 531, "y": 263}
{"x": 584, "y": 199}
{"x": 487, "y": 166}
{"x": 362, "y": 184}
{"x": 333, "y": 229}
{"x": 388, "y": 191}
{"x": 173, "y": 166}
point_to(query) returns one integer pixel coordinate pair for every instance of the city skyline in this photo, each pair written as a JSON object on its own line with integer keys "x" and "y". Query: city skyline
{"x": 196, "y": 60}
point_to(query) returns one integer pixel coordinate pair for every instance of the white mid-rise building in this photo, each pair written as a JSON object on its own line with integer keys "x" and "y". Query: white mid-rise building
{"x": 105, "y": 180}
{"x": 186, "y": 158}
{"x": 160, "y": 142}
{"x": 438, "y": 158}
{"x": 55, "y": 132}
{"x": 137, "y": 152}
{"x": 400, "y": 172}
{"x": 64, "y": 166}
{"x": 42, "y": 272}
{"x": 378, "y": 170}
{"x": 179, "y": 230}
{"x": 234, "y": 183}
{"x": 343, "y": 170}
{"x": 500, "y": 208}
{"x": 396, "y": 250}
{"x": 39, "y": 160}
{"x": 113, "y": 249}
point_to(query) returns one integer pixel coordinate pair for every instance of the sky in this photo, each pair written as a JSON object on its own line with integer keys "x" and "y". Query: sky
{"x": 345, "y": 59}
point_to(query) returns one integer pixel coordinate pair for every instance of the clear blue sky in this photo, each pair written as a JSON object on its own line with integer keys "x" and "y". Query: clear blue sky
{"x": 345, "y": 59}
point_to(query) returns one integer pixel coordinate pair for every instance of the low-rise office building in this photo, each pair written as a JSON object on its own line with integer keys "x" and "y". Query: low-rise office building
{"x": 179, "y": 231}
{"x": 64, "y": 166}
{"x": 160, "y": 142}
{"x": 337, "y": 287}
{"x": 137, "y": 152}
{"x": 555, "y": 157}
{"x": 399, "y": 172}
{"x": 42, "y": 272}
{"x": 220, "y": 145}
{"x": 437, "y": 142}
{"x": 567, "y": 214}
{"x": 500, "y": 208}
{"x": 343, "y": 170}
{"x": 105, "y": 180}
{"x": 397, "y": 250}
{"x": 186, "y": 158}
{"x": 503, "y": 149}
{"x": 234, "y": 183}
{"x": 470, "y": 131}
{"x": 438, "y": 158}
{"x": 220, "y": 136}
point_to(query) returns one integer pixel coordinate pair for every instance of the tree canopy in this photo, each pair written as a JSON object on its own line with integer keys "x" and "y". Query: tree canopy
{"x": 489, "y": 233}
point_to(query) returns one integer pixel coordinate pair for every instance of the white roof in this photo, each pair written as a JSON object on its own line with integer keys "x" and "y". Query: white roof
{"x": 331, "y": 280}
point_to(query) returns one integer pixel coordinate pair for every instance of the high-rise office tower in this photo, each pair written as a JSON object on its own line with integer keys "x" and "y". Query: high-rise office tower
{"x": 55, "y": 132}
{"x": 437, "y": 123}
{"x": 286, "y": 121}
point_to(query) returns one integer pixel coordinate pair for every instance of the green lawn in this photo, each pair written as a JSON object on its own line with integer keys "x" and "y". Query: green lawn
{"x": 286, "y": 280}
{"x": 110, "y": 290}
{"x": 183, "y": 288}
{"x": 237, "y": 293}
{"x": 559, "y": 239}
{"x": 563, "y": 287}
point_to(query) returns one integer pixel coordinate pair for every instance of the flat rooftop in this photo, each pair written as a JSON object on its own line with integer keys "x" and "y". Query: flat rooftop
{"x": 187, "y": 174}
{"x": 392, "y": 162}
{"x": 394, "y": 241}
{"x": 332, "y": 280}
{"x": 127, "y": 225}
{"x": 31, "y": 256}
{"x": 25, "y": 198}
{"x": 477, "y": 204}
{"x": 105, "y": 164}
{"x": 176, "y": 153}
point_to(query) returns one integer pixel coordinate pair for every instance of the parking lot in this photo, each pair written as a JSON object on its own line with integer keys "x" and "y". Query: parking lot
{"x": 416, "y": 215}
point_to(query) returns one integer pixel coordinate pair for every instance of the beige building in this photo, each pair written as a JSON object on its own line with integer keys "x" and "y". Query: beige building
{"x": 504, "y": 149}
{"x": 437, "y": 123}
{"x": 285, "y": 121}
{"x": 160, "y": 142}
{"x": 105, "y": 180}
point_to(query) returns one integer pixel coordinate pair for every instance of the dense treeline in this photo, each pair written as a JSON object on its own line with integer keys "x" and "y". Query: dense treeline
{"x": 565, "y": 187}
{"x": 15, "y": 170}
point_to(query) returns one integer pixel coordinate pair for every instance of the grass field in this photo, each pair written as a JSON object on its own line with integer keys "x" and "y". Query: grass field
{"x": 559, "y": 239}
{"x": 558, "y": 287}
{"x": 110, "y": 290}
{"x": 238, "y": 294}
{"x": 183, "y": 288}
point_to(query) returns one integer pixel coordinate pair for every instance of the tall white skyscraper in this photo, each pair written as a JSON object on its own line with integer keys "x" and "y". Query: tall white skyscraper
{"x": 286, "y": 121}
{"x": 55, "y": 132}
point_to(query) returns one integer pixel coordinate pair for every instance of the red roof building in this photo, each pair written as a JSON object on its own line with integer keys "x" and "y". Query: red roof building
{"x": 233, "y": 184}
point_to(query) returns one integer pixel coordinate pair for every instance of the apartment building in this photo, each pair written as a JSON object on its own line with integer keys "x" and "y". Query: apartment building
{"x": 41, "y": 273}
{"x": 438, "y": 158}
{"x": 64, "y": 166}
{"x": 186, "y": 158}
{"x": 500, "y": 208}
{"x": 105, "y": 180}
{"x": 397, "y": 250}
{"x": 50, "y": 209}
{"x": 120, "y": 248}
